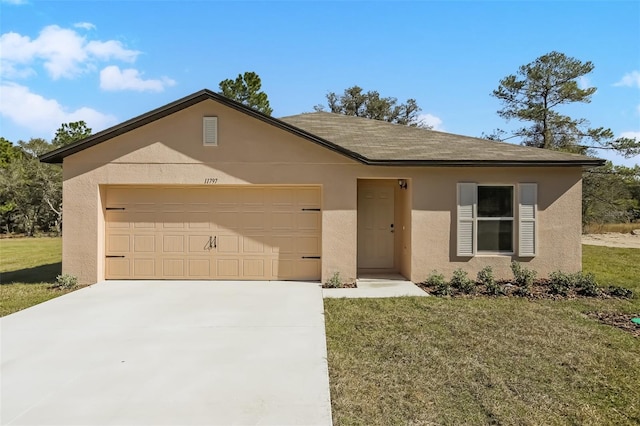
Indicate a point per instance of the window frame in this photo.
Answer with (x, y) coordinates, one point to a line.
(477, 219)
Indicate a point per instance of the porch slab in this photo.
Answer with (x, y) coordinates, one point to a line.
(372, 286)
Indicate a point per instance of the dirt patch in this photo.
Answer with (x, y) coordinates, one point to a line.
(621, 321)
(612, 239)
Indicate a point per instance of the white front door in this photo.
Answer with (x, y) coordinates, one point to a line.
(375, 225)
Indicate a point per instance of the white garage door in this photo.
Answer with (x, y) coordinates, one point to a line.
(235, 233)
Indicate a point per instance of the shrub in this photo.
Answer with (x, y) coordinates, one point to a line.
(334, 282)
(522, 276)
(440, 286)
(523, 291)
(616, 291)
(560, 282)
(462, 282)
(587, 284)
(65, 282)
(486, 278)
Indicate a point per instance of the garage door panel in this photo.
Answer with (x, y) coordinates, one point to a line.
(229, 220)
(228, 244)
(309, 221)
(308, 245)
(255, 244)
(253, 268)
(173, 244)
(284, 244)
(283, 221)
(200, 244)
(213, 233)
(118, 243)
(144, 267)
(118, 267)
(117, 219)
(228, 268)
(173, 268)
(252, 221)
(200, 268)
(144, 243)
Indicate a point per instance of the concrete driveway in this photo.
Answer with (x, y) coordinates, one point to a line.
(168, 353)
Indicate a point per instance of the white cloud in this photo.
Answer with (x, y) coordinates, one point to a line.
(85, 25)
(15, 2)
(431, 120)
(630, 79)
(64, 52)
(114, 79)
(43, 116)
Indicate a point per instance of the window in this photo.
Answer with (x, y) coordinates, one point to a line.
(487, 219)
(495, 219)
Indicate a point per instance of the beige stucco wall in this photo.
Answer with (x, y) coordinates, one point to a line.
(170, 152)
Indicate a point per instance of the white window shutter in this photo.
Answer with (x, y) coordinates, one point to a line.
(210, 131)
(467, 195)
(528, 215)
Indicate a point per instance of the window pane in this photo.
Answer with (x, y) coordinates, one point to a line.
(495, 201)
(495, 235)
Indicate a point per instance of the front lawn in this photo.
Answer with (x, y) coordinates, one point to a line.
(28, 266)
(487, 360)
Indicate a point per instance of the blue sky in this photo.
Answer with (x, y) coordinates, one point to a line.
(107, 61)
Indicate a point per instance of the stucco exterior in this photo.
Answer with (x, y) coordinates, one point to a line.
(170, 152)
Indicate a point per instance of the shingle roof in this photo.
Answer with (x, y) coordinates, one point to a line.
(380, 141)
(367, 141)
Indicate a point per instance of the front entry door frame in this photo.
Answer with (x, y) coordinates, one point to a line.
(376, 224)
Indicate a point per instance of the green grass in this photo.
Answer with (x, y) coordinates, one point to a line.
(28, 266)
(486, 360)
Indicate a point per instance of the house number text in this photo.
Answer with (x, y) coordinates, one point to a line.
(210, 180)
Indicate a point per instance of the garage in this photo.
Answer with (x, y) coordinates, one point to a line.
(202, 232)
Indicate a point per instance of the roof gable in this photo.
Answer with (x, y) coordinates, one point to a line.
(367, 141)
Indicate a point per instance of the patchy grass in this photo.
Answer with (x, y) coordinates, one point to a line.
(487, 360)
(477, 361)
(28, 266)
(601, 228)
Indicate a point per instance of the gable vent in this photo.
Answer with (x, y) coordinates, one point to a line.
(210, 131)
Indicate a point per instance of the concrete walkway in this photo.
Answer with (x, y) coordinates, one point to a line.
(168, 353)
(373, 286)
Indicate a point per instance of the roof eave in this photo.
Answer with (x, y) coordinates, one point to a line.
(487, 163)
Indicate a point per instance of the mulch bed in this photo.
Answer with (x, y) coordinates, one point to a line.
(621, 321)
(343, 285)
(538, 290)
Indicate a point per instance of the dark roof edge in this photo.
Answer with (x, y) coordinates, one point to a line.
(56, 156)
(487, 163)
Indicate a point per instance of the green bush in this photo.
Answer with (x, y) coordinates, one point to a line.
(485, 277)
(616, 291)
(334, 282)
(65, 282)
(523, 277)
(440, 286)
(561, 282)
(587, 284)
(462, 282)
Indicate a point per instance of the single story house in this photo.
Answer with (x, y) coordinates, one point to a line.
(205, 188)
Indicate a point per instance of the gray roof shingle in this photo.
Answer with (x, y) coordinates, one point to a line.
(381, 141)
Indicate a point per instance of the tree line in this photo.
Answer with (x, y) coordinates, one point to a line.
(31, 191)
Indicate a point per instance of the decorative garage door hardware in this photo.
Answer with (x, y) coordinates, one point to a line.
(311, 257)
(115, 208)
(310, 210)
(211, 243)
(111, 255)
